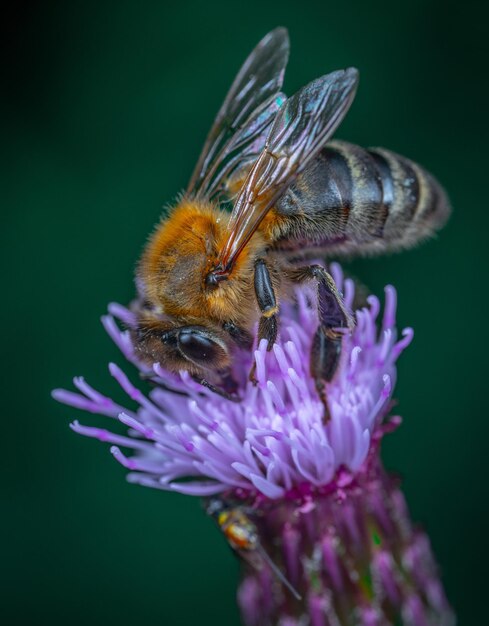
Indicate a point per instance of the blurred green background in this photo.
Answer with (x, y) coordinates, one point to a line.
(105, 108)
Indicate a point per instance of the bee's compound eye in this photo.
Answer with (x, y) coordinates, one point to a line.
(197, 346)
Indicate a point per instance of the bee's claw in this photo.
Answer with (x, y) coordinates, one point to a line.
(251, 376)
(326, 411)
(321, 391)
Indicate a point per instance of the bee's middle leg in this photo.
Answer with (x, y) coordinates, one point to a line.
(267, 303)
(327, 342)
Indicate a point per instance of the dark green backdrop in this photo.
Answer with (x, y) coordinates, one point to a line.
(106, 105)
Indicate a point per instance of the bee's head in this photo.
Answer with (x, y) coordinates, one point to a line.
(197, 349)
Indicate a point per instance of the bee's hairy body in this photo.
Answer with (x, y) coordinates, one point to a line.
(208, 277)
(177, 258)
(347, 201)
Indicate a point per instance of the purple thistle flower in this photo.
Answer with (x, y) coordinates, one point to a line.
(273, 441)
(325, 512)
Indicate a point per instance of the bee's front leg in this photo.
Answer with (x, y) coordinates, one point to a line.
(333, 315)
(228, 390)
(267, 303)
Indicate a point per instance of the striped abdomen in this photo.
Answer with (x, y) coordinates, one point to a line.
(352, 200)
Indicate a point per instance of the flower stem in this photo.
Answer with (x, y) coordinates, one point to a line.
(352, 554)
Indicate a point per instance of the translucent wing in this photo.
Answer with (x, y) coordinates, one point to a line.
(240, 128)
(241, 150)
(301, 128)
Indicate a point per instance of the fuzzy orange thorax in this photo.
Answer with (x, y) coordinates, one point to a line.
(179, 255)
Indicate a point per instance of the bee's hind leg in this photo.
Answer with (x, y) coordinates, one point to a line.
(327, 342)
(324, 360)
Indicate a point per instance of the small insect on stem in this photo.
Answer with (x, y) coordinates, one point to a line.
(242, 535)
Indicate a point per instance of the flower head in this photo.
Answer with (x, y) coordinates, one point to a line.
(274, 442)
(323, 530)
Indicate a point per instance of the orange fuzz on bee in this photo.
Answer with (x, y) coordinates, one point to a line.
(183, 249)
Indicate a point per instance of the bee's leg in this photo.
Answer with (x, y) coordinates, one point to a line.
(267, 303)
(325, 357)
(265, 297)
(333, 315)
(228, 384)
(221, 392)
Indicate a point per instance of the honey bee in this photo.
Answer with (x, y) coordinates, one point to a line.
(270, 191)
(242, 535)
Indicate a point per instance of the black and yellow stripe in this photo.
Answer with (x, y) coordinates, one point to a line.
(353, 200)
